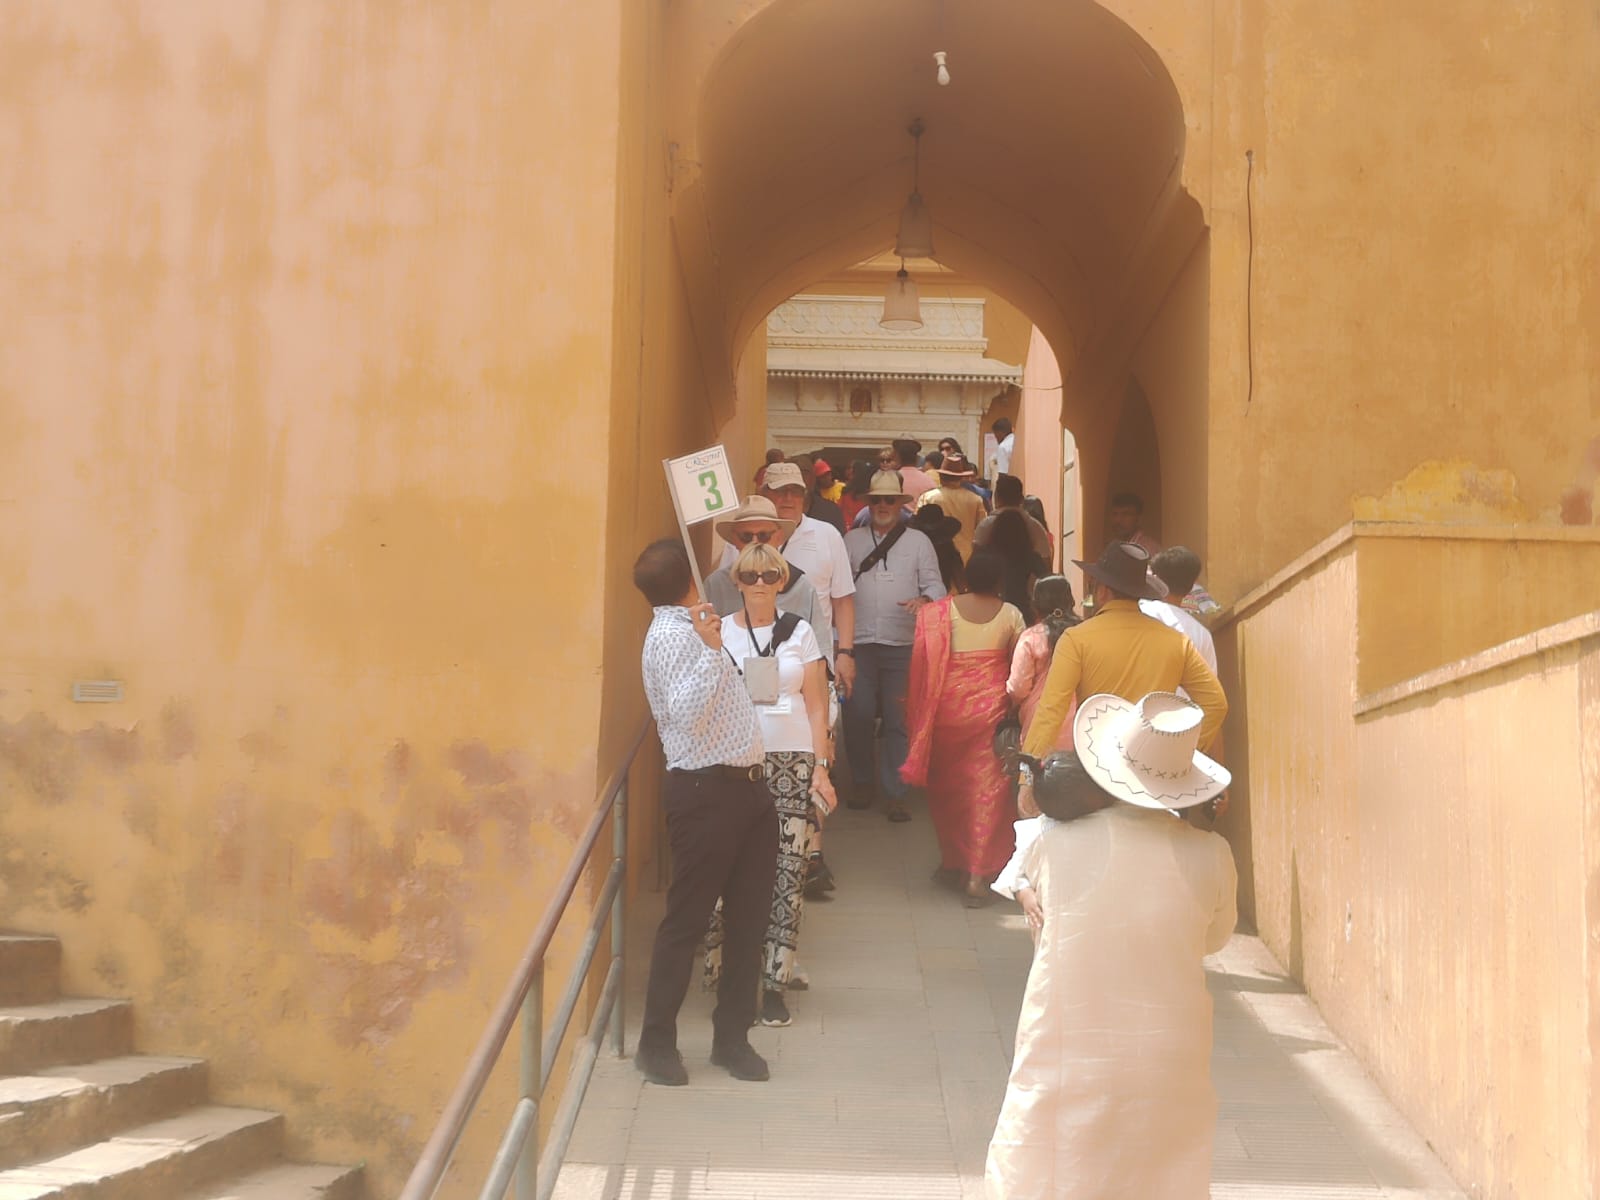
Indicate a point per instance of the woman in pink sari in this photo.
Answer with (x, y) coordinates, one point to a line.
(960, 660)
(1030, 662)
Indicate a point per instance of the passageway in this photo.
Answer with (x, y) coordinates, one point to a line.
(889, 1080)
(1052, 168)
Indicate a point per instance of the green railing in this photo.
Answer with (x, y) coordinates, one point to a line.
(519, 1154)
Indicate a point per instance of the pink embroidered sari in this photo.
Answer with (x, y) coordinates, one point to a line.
(953, 704)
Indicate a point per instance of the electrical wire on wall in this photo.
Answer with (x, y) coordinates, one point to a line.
(1249, 281)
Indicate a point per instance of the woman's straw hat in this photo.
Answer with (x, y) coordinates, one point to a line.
(1145, 753)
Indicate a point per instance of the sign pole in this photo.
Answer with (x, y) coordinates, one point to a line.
(683, 529)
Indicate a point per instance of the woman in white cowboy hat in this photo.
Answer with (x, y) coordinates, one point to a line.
(1110, 1093)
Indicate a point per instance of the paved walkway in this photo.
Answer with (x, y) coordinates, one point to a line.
(889, 1080)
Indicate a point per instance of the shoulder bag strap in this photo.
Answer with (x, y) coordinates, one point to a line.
(880, 551)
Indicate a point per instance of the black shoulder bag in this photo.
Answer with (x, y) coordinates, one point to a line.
(879, 552)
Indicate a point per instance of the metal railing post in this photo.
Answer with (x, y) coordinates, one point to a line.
(619, 847)
(532, 1082)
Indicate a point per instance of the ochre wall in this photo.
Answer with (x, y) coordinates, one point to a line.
(1412, 274)
(1424, 867)
(1038, 455)
(309, 338)
(1170, 366)
(1500, 582)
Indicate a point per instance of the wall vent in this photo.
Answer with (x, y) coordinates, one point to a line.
(96, 691)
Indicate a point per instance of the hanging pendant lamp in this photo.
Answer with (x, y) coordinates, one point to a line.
(902, 309)
(915, 237)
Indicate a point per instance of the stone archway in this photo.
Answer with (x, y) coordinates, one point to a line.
(1052, 165)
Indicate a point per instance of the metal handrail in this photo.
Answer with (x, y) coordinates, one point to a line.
(524, 997)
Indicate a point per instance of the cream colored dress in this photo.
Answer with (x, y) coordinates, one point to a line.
(1110, 1092)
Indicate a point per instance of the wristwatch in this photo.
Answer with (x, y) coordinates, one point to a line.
(825, 764)
(850, 650)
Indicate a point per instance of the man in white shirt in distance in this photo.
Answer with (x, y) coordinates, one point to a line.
(1179, 567)
(1007, 444)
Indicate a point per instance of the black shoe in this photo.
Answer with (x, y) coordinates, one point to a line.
(742, 1062)
(774, 1012)
(661, 1066)
(816, 892)
(818, 875)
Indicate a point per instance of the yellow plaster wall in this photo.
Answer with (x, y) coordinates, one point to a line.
(1039, 451)
(309, 315)
(1429, 600)
(1410, 272)
(1170, 365)
(1425, 868)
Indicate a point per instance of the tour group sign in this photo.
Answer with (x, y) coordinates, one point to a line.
(702, 487)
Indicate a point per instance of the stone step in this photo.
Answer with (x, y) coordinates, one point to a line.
(30, 968)
(158, 1161)
(74, 1030)
(57, 1109)
(289, 1181)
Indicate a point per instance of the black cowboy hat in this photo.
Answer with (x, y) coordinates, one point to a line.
(930, 519)
(1125, 567)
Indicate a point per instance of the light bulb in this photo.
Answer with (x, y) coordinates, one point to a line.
(943, 74)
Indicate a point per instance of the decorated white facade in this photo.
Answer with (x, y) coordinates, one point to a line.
(837, 378)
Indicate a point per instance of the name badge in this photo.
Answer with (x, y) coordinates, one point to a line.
(761, 679)
(885, 576)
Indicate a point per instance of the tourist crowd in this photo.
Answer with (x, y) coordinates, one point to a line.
(903, 633)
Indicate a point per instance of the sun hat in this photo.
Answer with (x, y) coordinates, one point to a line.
(1125, 567)
(1145, 753)
(957, 465)
(889, 483)
(930, 519)
(782, 475)
(755, 508)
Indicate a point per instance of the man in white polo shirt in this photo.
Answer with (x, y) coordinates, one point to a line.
(1179, 567)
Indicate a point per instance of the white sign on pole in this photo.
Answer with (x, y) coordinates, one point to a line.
(702, 484)
(702, 487)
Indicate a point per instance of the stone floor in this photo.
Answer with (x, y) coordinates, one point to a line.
(889, 1080)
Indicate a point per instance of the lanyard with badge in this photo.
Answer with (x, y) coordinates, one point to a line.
(761, 672)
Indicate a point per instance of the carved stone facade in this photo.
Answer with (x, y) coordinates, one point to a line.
(836, 378)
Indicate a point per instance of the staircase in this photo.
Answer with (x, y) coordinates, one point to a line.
(84, 1118)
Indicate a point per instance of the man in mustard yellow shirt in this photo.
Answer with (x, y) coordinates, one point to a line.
(1121, 651)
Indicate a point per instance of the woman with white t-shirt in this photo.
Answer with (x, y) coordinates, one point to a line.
(783, 670)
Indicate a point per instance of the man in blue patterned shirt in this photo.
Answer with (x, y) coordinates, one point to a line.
(721, 824)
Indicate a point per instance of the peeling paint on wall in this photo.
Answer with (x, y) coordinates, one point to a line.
(1447, 493)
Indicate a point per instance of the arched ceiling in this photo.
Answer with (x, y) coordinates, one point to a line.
(1051, 164)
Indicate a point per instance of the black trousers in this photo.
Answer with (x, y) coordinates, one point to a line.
(724, 837)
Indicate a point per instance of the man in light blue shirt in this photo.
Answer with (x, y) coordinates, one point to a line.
(896, 572)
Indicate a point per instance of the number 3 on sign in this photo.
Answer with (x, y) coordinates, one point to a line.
(713, 497)
(701, 484)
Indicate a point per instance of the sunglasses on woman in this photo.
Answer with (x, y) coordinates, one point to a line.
(750, 578)
(745, 537)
